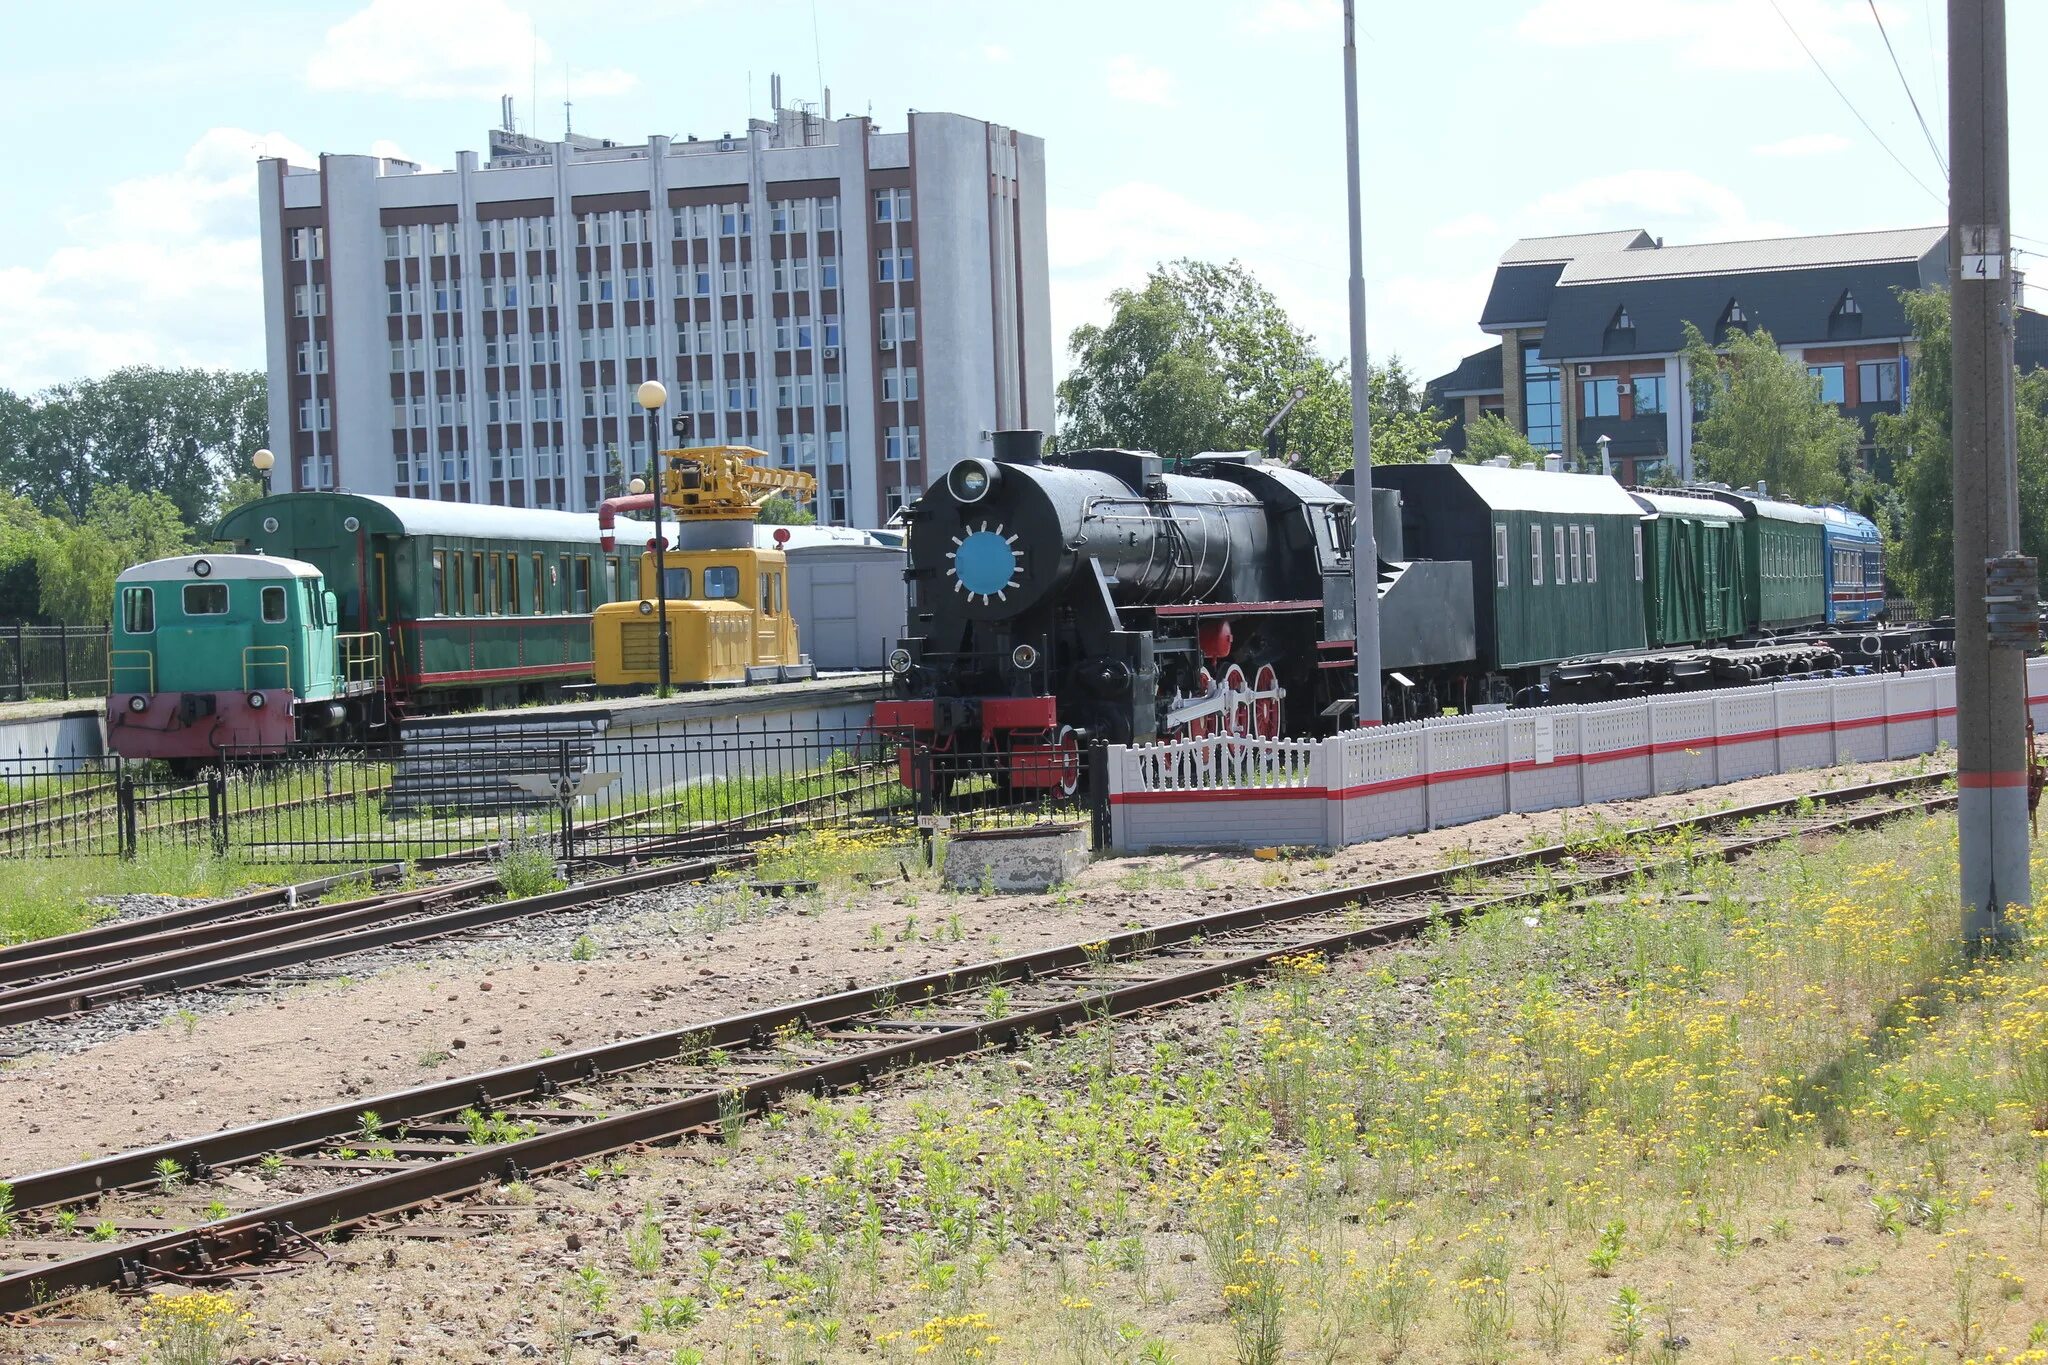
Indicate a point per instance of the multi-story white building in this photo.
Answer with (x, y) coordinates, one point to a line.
(865, 306)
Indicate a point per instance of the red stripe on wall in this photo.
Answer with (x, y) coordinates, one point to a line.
(1999, 779)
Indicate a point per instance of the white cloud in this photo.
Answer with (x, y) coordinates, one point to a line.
(1467, 227)
(167, 272)
(995, 54)
(1683, 204)
(1132, 80)
(1296, 16)
(1726, 35)
(1806, 144)
(446, 49)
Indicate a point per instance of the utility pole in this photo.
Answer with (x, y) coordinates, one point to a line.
(1995, 588)
(1365, 558)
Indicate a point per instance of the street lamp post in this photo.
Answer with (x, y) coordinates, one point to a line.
(652, 396)
(264, 461)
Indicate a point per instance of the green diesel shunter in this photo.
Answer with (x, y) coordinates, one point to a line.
(1557, 562)
(475, 605)
(1692, 570)
(1783, 586)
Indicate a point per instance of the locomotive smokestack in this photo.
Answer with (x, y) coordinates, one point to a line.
(1018, 447)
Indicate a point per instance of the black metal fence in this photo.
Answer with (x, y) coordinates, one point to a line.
(52, 662)
(467, 795)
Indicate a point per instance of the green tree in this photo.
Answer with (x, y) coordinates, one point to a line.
(22, 531)
(785, 511)
(1765, 420)
(76, 564)
(1202, 357)
(1492, 436)
(183, 433)
(1919, 442)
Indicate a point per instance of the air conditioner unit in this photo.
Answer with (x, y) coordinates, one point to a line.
(1624, 387)
(1585, 370)
(888, 343)
(726, 144)
(831, 353)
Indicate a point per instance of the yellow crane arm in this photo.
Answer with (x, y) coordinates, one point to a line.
(724, 482)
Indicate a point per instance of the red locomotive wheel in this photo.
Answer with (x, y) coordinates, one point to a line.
(1237, 717)
(1067, 769)
(1266, 710)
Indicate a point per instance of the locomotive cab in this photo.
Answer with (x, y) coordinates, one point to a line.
(728, 621)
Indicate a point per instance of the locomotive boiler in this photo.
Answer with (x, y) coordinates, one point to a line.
(1095, 594)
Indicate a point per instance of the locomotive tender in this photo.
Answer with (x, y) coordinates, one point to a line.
(1092, 595)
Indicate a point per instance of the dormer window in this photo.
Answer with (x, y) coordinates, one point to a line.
(1734, 317)
(1848, 307)
(1847, 319)
(1621, 320)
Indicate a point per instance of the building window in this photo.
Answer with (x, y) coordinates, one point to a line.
(828, 272)
(312, 357)
(1592, 558)
(900, 325)
(313, 414)
(448, 353)
(835, 389)
(1541, 401)
(1578, 557)
(1599, 398)
(1536, 556)
(309, 300)
(309, 243)
(1877, 381)
(901, 443)
(1830, 377)
(735, 220)
(895, 263)
(1649, 394)
(447, 297)
(831, 337)
(1557, 547)
(892, 206)
(1500, 555)
(828, 215)
(1639, 551)
(899, 384)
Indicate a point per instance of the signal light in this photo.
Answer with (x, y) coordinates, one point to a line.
(138, 704)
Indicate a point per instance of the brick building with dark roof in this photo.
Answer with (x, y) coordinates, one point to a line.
(1591, 327)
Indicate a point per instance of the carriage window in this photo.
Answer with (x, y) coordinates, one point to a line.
(583, 582)
(562, 583)
(1536, 555)
(675, 584)
(512, 583)
(206, 599)
(1500, 555)
(273, 605)
(138, 610)
(721, 580)
(1578, 562)
(540, 588)
(1592, 559)
(1557, 544)
(457, 597)
(1639, 553)
(441, 582)
(476, 586)
(383, 587)
(767, 594)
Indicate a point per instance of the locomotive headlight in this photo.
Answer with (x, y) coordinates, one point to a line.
(255, 701)
(138, 704)
(203, 567)
(899, 661)
(647, 608)
(1023, 656)
(970, 480)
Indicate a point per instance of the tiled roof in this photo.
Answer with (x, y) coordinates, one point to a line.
(1558, 250)
(1735, 258)
(1476, 373)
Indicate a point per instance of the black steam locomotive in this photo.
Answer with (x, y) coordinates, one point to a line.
(1095, 594)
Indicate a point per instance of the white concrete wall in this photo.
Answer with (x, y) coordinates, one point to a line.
(1397, 779)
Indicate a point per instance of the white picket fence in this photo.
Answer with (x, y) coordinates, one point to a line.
(1223, 792)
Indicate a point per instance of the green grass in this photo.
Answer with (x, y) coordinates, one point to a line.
(40, 897)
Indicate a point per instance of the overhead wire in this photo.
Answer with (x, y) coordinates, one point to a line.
(1851, 106)
(1907, 86)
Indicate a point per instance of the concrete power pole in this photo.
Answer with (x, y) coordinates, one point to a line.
(1365, 558)
(1995, 588)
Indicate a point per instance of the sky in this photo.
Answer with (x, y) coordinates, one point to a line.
(1206, 128)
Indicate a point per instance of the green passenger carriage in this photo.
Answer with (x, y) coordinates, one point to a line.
(475, 604)
(1692, 570)
(1783, 585)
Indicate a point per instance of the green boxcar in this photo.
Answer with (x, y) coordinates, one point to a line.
(1692, 569)
(474, 603)
(1783, 585)
(1557, 558)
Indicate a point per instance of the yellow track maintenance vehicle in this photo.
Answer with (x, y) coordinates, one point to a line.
(726, 595)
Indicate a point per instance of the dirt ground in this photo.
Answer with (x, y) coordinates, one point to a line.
(228, 1059)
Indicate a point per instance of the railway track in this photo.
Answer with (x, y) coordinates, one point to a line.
(76, 978)
(372, 1161)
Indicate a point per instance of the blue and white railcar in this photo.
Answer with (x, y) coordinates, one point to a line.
(1853, 561)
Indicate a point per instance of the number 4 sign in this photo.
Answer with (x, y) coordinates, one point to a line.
(1983, 254)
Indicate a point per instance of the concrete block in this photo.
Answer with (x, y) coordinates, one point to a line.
(1035, 858)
